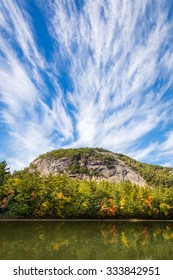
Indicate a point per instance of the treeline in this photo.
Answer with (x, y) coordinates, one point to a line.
(23, 194)
(75, 153)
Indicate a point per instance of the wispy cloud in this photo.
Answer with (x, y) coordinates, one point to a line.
(116, 50)
(116, 58)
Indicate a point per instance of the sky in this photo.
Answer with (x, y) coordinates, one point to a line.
(84, 73)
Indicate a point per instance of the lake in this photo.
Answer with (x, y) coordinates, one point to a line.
(86, 240)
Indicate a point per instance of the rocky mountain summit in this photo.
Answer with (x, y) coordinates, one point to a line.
(87, 163)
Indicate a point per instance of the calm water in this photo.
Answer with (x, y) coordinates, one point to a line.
(86, 240)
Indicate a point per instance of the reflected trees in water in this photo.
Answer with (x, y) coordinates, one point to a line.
(86, 240)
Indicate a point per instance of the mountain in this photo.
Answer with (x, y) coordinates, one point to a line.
(87, 183)
(100, 164)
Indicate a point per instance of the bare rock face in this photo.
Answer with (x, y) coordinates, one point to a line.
(52, 166)
(109, 168)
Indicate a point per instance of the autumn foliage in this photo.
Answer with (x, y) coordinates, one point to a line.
(30, 195)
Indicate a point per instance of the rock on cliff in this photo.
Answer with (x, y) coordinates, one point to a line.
(87, 163)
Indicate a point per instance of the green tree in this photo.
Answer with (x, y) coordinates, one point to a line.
(4, 172)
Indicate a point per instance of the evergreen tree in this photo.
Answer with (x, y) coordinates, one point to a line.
(4, 172)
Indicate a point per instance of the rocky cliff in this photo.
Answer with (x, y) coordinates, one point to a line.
(87, 163)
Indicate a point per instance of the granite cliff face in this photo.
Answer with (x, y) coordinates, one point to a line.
(94, 164)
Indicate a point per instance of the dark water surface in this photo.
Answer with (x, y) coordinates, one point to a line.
(86, 240)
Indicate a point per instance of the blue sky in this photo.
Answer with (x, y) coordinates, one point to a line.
(86, 73)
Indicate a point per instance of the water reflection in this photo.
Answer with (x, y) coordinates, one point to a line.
(86, 240)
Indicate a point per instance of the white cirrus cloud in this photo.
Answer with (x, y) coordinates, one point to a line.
(108, 81)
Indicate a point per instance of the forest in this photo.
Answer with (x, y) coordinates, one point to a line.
(28, 195)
